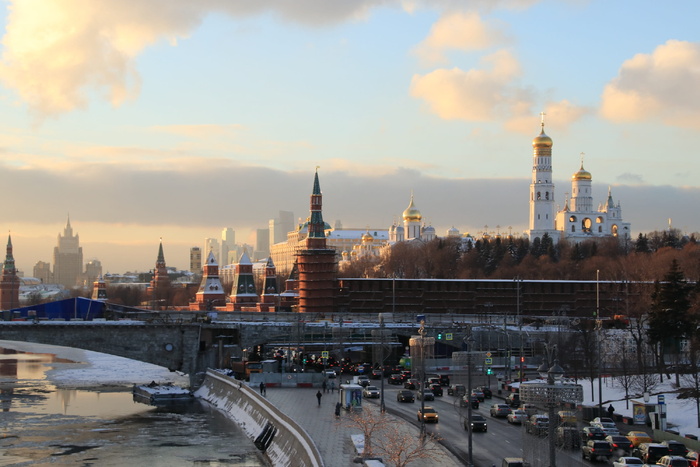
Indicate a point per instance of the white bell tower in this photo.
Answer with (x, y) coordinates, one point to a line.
(542, 188)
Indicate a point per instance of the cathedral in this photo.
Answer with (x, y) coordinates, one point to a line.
(577, 221)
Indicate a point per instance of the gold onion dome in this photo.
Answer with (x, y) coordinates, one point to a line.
(412, 213)
(581, 174)
(542, 140)
(367, 237)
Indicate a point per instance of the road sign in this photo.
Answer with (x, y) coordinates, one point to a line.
(488, 354)
(448, 336)
(488, 361)
(662, 399)
(324, 354)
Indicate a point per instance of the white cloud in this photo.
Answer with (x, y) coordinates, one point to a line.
(658, 86)
(463, 31)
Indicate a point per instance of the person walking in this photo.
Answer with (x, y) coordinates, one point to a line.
(332, 386)
(324, 386)
(263, 389)
(611, 411)
(319, 395)
(338, 405)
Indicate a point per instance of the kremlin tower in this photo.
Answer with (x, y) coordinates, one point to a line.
(9, 282)
(542, 189)
(160, 283)
(317, 263)
(270, 292)
(243, 294)
(211, 291)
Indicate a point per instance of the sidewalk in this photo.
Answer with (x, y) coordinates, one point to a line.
(331, 437)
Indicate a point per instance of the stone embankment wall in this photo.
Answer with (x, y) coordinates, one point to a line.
(290, 445)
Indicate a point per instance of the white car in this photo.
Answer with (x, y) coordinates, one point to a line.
(370, 392)
(609, 430)
(627, 461)
(517, 417)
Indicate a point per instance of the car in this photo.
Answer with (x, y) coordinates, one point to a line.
(405, 396)
(620, 442)
(610, 431)
(568, 437)
(639, 437)
(444, 379)
(456, 390)
(426, 395)
(432, 380)
(597, 450)
(463, 401)
(330, 374)
(627, 461)
(428, 414)
(603, 422)
(478, 423)
(537, 425)
(513, 400)
(513, 462)
(396, 378)
(673, 461)
(370, 392)
(377, 374)
(693, 458)
(530, 409)
(499, 410)
(592, 433)
(517, 417)
(411, 383)
(479, 394)
(437, 390)
(567, 417)
(676, 448)
(650, 453)
(488, 393)
(363, 380)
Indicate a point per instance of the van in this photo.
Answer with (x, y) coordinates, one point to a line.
(512, 462)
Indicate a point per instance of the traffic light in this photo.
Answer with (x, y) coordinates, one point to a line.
(439, 336)
(489, 371)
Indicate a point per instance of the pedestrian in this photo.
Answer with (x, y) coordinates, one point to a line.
(332, 386)
(324, 386)
(611, 411)
(262, 388)
(319, 395)
(338, 405)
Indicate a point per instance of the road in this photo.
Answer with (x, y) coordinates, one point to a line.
(488, 448)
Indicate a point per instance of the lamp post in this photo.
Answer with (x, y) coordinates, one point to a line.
(550, 392)
(470, 344)
(419, 344)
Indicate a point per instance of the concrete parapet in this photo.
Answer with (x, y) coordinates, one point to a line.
(291, 445)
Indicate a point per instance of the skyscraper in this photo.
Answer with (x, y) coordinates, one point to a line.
(262, 244)
(211, 245)
(68, 258)
(228, 246)
(280, 226)
(195, 260)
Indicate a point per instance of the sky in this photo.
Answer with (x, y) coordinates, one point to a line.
(174, 119)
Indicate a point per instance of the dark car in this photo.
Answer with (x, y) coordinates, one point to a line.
(596, 450)
(444, 380)
(676, 448)
(426, 395)
(478, 423)
(513, 400)
(396, 378)
(463, 402)
(437, 390)
(650, 453)
(488, 394)
(405, 396)
(568, 437)
(499, 410)
(592, 433)
(620, 442)
(456, 390)
(376, 374)
(410, 384)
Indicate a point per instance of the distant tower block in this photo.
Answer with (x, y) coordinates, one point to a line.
(317, 264)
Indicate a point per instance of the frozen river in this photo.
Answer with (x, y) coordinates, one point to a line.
(71, 407)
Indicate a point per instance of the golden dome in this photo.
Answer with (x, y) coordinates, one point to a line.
(367, 237)
(411, 213)
(542, 140)
(582, 175)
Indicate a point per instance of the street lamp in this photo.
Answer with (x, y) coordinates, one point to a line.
(419, 344)
(550, 392)
(470, 344)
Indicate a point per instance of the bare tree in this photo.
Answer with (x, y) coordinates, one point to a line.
(399, 447)
(369, 420)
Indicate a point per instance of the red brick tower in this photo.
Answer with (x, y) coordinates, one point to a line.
(243, 294)
(211, 292)
(9, 282)
(317, 263)
(160, 283)
(270, 292)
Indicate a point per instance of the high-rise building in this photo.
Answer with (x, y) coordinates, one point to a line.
(68, 259)
(195, 260)
(281, 226)
(42, 271)
(262, 244)
(9, 282)
(93, 271)
(228, 246)
(211, 245)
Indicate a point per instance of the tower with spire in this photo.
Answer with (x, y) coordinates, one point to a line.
(211, 291)
(243, 293)
(542, 188)
(316, 262)
(159, 288)
(68, 258)
(412, 221)
(9, 282)
(269, 298)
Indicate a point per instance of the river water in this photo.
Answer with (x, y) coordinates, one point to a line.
(63, 406)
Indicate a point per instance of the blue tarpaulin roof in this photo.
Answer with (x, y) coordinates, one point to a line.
(70, 308)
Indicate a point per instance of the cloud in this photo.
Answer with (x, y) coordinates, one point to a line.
(473, 95)
(462, 31)
(199, 131)
(658, 86)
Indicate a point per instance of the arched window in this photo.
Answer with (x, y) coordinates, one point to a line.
(614, 230)
(599, 220)
(539, 195)
(586, 224)
(546, 195)
(573, 228)
(600, 229)
(572, 219)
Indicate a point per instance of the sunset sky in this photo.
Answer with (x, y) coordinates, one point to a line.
(144, 119)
